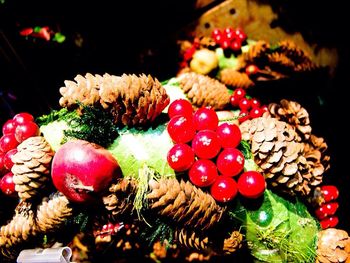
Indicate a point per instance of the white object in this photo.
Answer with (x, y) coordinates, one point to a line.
(48, 255)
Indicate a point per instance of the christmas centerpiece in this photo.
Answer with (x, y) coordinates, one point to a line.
(192, 168)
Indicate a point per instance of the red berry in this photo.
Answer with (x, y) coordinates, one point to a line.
(244, 104)
(189, 53)
(330, 192)
(329, 222)
(205, 119)
(255, 113)
(229, 30)
(234, 101)
(243, 116)
(230, 36)
(255, 103)
(8, 163)
(23, 117)
(230, 162)
(251, 184)
(206, 144)
(26, 130)
(236, 45)
(7, 185)
(240, 34)
(180, 157)
(216, 32)
(225, 44)
(218, 39)
(203, 173)
(181, 129)
(239, 93)
(9, 127)
(224, 189)
(264, 108)
(3, 169)
(327, 209)
(180, 107)
(251, 70)
(8, 142)
(229, 134)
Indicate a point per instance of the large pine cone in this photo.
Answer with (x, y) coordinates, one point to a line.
(276, 152)
(53, 212)
(236, 79)
(31, 167)
(204, 91)
(132, 100)
(184, 203)
(294, 114)
(333, 246)
(19, 229)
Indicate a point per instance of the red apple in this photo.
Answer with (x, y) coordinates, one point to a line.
(82, 170)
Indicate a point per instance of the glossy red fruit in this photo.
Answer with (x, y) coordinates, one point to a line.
(330, 192)
(7, 185)
(26, 130)
(251, 70)
(180, 107)
(225, 44)
(230, 36)
(254, 103)
(240, 34)
(230, 162)
(244, 104)
(229, 135)
(3, 169)
(9, 127)
(327, 209)
(234, 101)
(180, 157)
(329, 222)
(239, 93)
(229, 30)
(8, 142)
(206, 144)
(224, 189)
(205, 119)
(8, 163)
(181, 129)
(23, 117)
(251, 184)
(203, 173)
(264, 108)
(218, 39)
(216, 32)
(243, 116)
(236, 45)
(255, 113)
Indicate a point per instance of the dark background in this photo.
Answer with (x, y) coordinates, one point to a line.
(138, 36)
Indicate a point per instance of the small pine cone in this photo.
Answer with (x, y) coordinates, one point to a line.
(281, 60)
(204, 91)
(31, 169)
(184, 203)
(291, 50)
(256, 54)
(53, 212)
(191, 240)
(120, 197)
(19, 229)
(236, 79)
(84, 90)
(333, 246)
(133, 100)
(233, 243)
(294, 114)
(278, 154)
(316, 148)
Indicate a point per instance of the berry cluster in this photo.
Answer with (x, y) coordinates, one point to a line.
(250, 108)
(229, 38)
(207, 151)
(15, 131)
(109, 229)
(325, 213)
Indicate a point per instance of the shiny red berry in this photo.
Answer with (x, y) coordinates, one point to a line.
(216, 32)
(244, 104)
(8, 142)
(327, 209)
(23, 117)
(240, 34)
(230, 162)
(229, 135)
(243, 116)
(329, 192)
(180, 107)
(180, 157)
(264, 108)
(251, 70)
(255, 113)
(7, 185)
(218, 39)
(26, 130)
(224, 189)
(234, 101)
(329, 222)
(239, 93)
(205, 119)
(203, 173)
(206, 144)
(236, 45)
(251, 184)
(255, 103)
(181, 129)
(3, 169)
(9, 127)
(229, 30)
(8, 163)
(225, 44)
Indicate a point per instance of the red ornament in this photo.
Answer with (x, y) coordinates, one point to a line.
(180, 157)
(180, 107)
(230, 162)
(206, 144)
(229, 134)
(203, 173)
(205, 119)
(224, 189)
(251, 184)
(329, 192)
(181, 129)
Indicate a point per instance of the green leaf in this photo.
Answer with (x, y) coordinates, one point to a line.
(37, 29)
(58, 37)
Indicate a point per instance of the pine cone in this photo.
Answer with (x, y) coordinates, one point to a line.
(256, 54)
(133, 100)
(191, 240)
(333, 246)
(84, 90)
(294, 114)
(53, 212)
(19, 229)
(281, 61)
(184, 203)
(276, 152)
(31, 167)
(120, 198)
(204, 91)
(316, 151)
(236, 79)
(233, 243)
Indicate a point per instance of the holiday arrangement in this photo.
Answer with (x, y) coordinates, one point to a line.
(192, 168)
